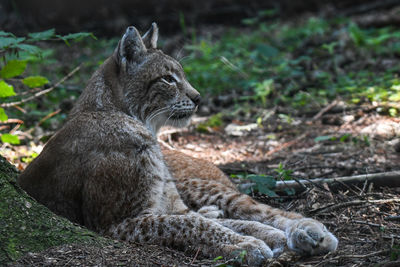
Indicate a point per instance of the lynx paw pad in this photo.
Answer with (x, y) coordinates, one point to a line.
(308, 236)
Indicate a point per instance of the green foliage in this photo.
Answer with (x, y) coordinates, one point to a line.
(214, 121)
(41, 36)
(284, 173)
(75, 36)
(217, 258)
(372, 38)
(11, 43)
(263, 184)
(324, 138)
(6, 89)
(13, 68)
(10, 138)
(17, 54)
(299, 65)
(31, 156)
(262, 90)
(239, 258)
(362, 140)
(35, 81)
(263, 14)
(3, 115)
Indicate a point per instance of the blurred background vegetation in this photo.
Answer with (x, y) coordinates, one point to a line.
(296, 57)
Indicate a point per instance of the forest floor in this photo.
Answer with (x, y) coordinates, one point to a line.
(336, 138)
(361, 216)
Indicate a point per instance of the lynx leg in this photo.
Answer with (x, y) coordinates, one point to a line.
(194, 231)
(273, 237)
(303, 235)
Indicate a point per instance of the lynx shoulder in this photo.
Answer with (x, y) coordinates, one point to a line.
(104, 168)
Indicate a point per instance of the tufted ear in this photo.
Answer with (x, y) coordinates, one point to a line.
(130, 47)
(151, 36)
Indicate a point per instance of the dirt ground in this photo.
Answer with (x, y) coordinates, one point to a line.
(363, 217)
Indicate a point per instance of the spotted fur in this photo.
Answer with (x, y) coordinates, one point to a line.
(104, 168)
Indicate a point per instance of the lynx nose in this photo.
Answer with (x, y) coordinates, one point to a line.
(196, 99)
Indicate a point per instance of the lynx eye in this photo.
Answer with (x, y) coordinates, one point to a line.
(168, 79)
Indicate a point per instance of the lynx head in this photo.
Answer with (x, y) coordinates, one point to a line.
(154, 87)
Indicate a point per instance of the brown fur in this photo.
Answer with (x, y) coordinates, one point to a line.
(104, 168)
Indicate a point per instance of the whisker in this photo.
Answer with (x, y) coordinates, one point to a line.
(172, 114)
(156, 113)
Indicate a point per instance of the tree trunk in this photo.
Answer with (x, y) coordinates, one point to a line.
(27, 226)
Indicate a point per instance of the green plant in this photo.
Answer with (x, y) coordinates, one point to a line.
(283, 173)
(330, 47)
(395, 253)
(278, 63)
(214, 121)
(239, 258)
(16, 53)
(263, 89)
(373, 37)
(263, 184)
(362, 140)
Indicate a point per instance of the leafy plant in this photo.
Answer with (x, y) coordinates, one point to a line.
(239, 259)
(214, 121)
(362, 140)
(263, 90)
(17, 53)
(278, 63)
(263, 184)
(31, 156)
(283, 173)
(10, 138)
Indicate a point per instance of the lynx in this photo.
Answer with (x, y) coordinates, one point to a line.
(104, 168)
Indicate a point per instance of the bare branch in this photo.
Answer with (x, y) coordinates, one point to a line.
(324, 110)
(11, 104)
(391, 179)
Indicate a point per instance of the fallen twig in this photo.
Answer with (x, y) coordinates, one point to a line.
(367, 223)
(165, 144)
(11, 104)
(9, 121)
(391, 179)
(392, 218)
(353, 256)
(324, 110)
(286, 145)
(195, 256)
(332, 207)
(48, 116)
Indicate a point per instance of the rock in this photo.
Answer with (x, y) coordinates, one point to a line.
(384, 129)
(395, 144)
(240, 130)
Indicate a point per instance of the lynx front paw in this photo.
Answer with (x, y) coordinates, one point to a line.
(308, 236)
(257, 251)
(211, 212)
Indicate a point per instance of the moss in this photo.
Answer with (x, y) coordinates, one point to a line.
(27, 226)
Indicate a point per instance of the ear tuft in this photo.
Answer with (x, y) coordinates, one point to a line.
(151, 36)
(130, 47)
